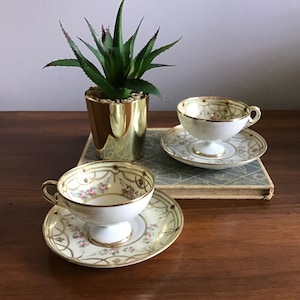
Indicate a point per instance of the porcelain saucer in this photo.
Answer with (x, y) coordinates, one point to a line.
(241, 149)
(154, 230)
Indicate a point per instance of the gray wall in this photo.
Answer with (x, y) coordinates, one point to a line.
(248, 50)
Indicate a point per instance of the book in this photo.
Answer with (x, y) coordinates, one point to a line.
(181, 181)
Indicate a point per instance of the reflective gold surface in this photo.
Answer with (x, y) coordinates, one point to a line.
(119, 129)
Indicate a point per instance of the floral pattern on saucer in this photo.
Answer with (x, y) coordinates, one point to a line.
(154, 230)
(241, 149)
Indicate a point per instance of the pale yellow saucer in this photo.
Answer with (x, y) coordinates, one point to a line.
(240, 149)
(154, 230)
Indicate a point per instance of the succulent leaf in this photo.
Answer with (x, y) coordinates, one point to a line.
(98, 54)
(121, 71)
(118, 32)
(96, 39)
(142, 85)
(115, 67)
(107, 39)
(89, 68)
(129, 51)
(138, 61)
(68, 62)
(145, 65)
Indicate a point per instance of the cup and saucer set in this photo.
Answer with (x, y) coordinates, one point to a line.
(214, 134)
(108, 214)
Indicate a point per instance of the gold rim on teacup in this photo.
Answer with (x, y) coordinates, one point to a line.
(106, 195)
(115, 166)
(212, 119)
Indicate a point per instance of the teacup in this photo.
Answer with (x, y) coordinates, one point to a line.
(106, 195)
(212, 119)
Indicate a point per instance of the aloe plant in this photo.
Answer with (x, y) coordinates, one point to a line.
(120, 71)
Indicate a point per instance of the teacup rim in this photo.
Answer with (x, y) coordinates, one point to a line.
(74, 169)
(221, 98)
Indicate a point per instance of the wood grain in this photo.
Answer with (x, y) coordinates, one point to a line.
(229, 249)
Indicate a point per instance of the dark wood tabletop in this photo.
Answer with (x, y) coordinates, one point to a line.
(228, 249)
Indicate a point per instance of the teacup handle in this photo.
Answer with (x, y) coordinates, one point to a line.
(255, 114)
(52, 198)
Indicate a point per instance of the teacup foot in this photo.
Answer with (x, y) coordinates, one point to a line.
(111, 235)
(209, 149)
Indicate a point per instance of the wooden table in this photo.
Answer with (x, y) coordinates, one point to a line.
(228, 249)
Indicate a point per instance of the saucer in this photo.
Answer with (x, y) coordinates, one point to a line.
(241, 149)
(154, 230)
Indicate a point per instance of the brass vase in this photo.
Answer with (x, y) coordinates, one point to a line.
(118, 129)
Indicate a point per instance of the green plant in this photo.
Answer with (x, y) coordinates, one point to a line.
(121, 71)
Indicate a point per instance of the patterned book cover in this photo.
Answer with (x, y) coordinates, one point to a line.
(181, 181)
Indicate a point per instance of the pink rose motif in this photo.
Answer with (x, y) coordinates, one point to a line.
(82, 195)
(147, 240)
(105, 251)
(91, 192)
(82, 244)
(115, 251)
(153, 226)
(102, 187)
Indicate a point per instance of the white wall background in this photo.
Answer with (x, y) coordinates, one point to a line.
(248, 50)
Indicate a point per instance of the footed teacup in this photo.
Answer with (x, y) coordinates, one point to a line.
(104, 194)
(212, 119)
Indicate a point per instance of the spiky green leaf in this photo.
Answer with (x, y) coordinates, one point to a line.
(67, 62)
(129, 51)
(98, 54)
(114, 65)
(142, 85)
(118, 32)
(89, 68)
(138, 61)
(107, 39)
(129, 45)
(96, 39)
(121, 72)
(146, 64)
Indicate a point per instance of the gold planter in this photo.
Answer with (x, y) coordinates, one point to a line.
(119, 129)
